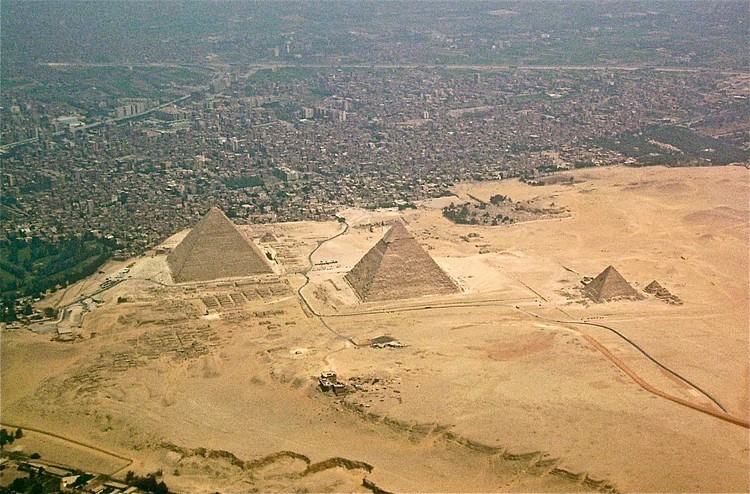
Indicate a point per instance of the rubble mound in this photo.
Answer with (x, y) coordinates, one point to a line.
(610, 285)
(215, 249)
(268, 238)
(397, 267)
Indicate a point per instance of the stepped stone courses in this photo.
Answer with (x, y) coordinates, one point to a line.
(654, 288)
(610, 285)
(397, 267)
(215, 249)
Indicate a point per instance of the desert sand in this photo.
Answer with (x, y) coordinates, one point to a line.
(518, 383)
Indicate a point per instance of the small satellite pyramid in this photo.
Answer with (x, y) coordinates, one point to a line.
(398, 267)
(653, 287)
(610, 285)
(215, 249)
(269, 237)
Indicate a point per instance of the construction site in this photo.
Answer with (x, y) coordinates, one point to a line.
(396, 351)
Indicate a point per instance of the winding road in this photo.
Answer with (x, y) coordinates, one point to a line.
(722, 413)
(306, 272)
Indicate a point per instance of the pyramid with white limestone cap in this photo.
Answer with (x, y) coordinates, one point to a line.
(397, 267)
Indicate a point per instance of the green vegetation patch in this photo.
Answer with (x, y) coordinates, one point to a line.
(674, 145)
(283, 75)
(243, 181)
(31, 266)
(149, 483)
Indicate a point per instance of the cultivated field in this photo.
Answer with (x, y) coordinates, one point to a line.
(517, 383)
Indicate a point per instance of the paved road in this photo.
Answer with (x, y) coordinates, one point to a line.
(720, 414)
(307, 281)
(478, 67)
(6, 147)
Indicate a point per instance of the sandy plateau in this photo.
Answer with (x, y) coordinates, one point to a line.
(515, 384)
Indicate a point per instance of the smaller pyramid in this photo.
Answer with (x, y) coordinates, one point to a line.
(610, 285)
(215, 249)
(397, 267)
(653, 287)
(268, 237)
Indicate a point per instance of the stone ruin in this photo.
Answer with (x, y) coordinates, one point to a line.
(329, 383)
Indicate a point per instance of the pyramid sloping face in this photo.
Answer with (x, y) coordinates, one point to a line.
(397, 232)
(397, 267)
(653, 287)
(215, 249)
(610, 285)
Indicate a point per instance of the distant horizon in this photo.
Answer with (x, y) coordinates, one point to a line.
(247, 32)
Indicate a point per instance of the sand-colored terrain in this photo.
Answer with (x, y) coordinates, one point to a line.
(516, 384)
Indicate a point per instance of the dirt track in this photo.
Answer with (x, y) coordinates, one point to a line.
(498, 388)
(64, 457)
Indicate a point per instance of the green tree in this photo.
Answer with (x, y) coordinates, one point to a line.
(5, 438)
(9, 311)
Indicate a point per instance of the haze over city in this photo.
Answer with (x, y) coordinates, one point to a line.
(374, 246)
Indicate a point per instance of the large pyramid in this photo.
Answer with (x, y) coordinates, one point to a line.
(214, 249)
(398, 267)
(610, 285)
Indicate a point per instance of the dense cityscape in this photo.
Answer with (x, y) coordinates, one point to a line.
(299, 149)
(352, 246)
(133, 152)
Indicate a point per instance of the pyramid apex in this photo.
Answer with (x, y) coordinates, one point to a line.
(215, 211)
(653, 287)
(397, 232)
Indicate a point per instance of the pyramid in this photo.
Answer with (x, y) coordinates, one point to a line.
(268, 238)
(214, 249)
(653, 287)
(610, 285)
(398, 267)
